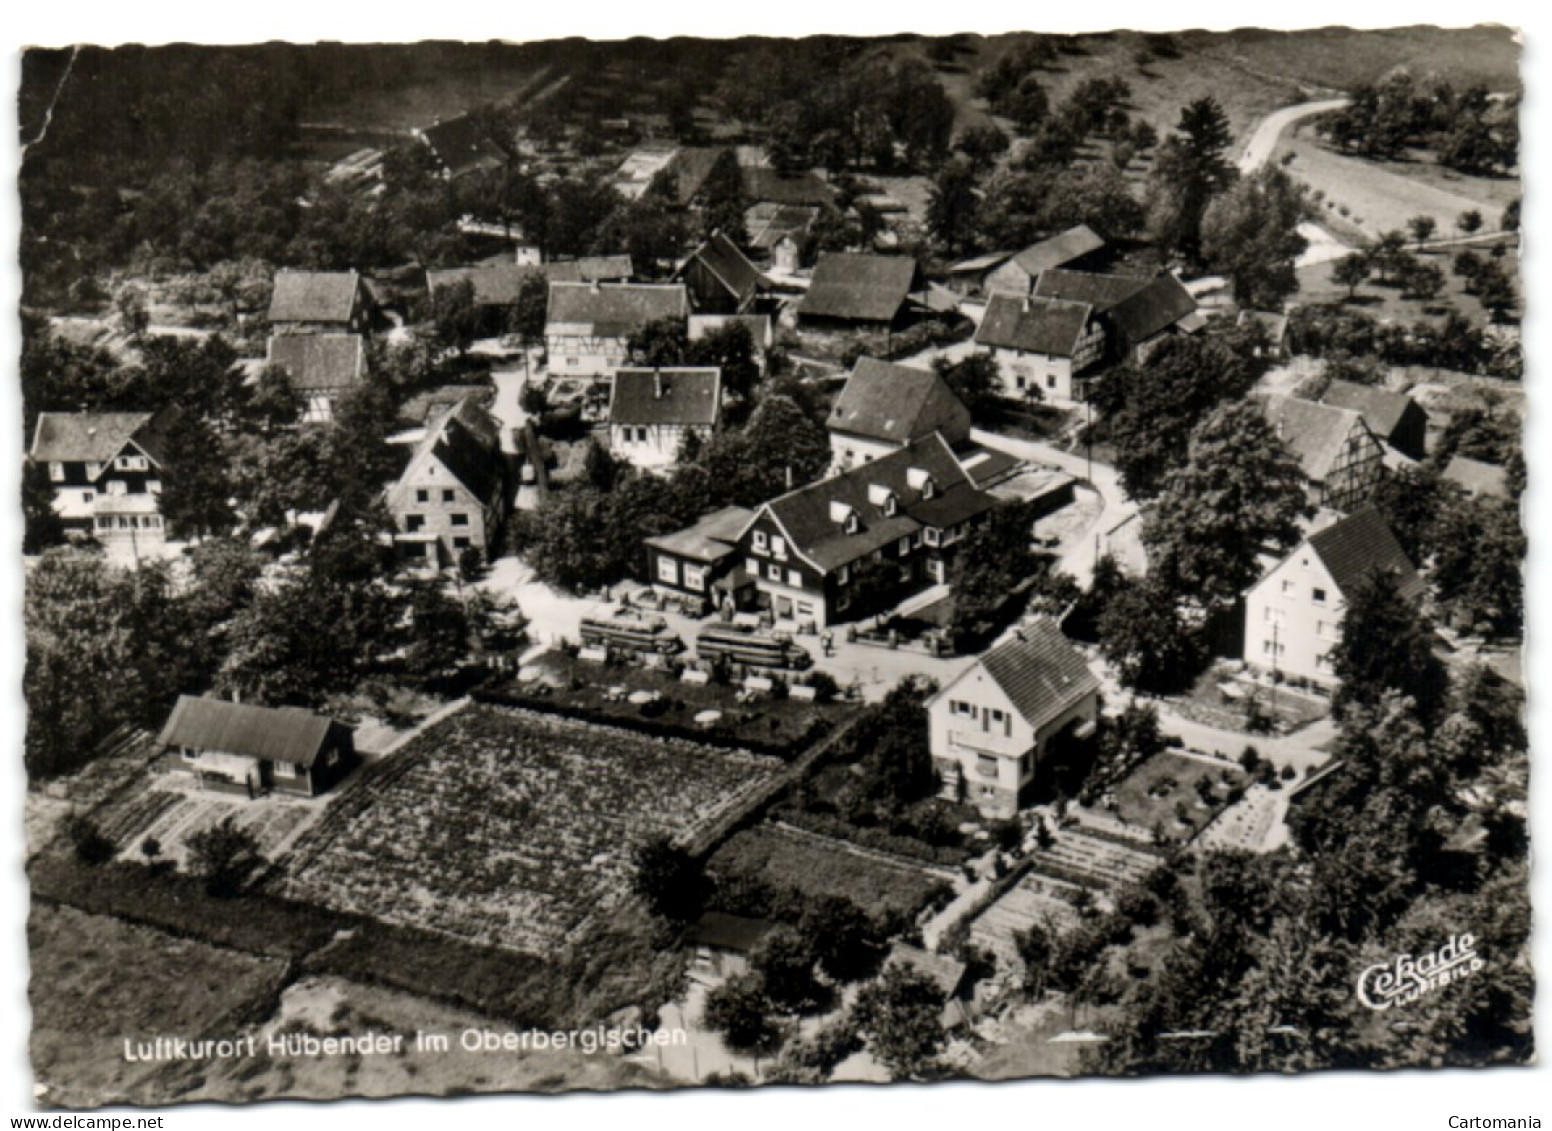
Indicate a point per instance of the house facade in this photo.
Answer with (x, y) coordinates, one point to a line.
(883, 407)
(700, 564)
(91, 456)
(651, 411)
(815, 552)
(588, 325)
(1293, 615)
(248, 750)
(1042, 346)
(320, 368)
(991, 728)
(319, 302)
(454, 493)
(1339, 455)
(1139, 313)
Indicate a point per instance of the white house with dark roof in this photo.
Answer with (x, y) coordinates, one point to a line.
(321, 368)
(1042, 345)
(250, 750)
(314, 302)
(1340, 457)
(453, 495)
(990, 728)
(92, 455)
(908, 510)
(652, 410)
(883, 407)
(1139, 312)
(588, 326)
(1293, 615)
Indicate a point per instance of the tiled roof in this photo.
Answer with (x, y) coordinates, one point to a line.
(1315, 433)
(615, 310)
(1477, 477)
(1039, 325)
(769, 185)
(690, 167)
(1102, 292)
(462, 145)
(980, 263)
(807, 515)
(1357, 545)
(898, 403)
(96, 437)
(1059, 250)
(467, 441)
(495, 284)
(666, 396)
(864, 288)
(721, 257)
(714, 537)
(768, 223)
(1157, 306)
(319, 361)
(1040, 672)
(1381, 409)
(589, 269)
(275, 734)
(313, 296)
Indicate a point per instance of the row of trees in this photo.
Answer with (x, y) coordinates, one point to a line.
(1469, 130)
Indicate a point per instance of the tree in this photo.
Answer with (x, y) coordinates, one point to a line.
(601, 470)
(671, 881)
(1469, 222)
(1386, 646)
(900, 1015)
(439, 631)
(1422, 228)
(982, 146)
(1410, 500)
(1239, 493)
(1189, 169)
(1251, 234)
(975, 379)
(951, 206)
(994, 558)
(1142, 634)
(275, 403)
(731, 349)
(740, 1011)
(529, 311)
(659, 344)
(224, 854)
(1422, 281)
(197, 488)
(43, 526)
(1034, 950)
(1351, 271)
(784, 962)
(134, 312)
(840, 936)
(1479, 561)
(455, 316)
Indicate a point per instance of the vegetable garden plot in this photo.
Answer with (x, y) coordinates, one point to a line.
(511, 828)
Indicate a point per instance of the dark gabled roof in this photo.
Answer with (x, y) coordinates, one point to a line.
(1315, 433)
(806, 514)
(463, 146)
(273, 734)
(721, 257)
(615, 310)
(1156, 307)
(764, 185)
(589, 269)
(690, 168)
(1353, 547)
(1040, 672)
(728, 932)
(860, 287)
(1382, 410)
(313, 296)
(898, 403)
(1051, 326)
(1477, 477)
(1102, 292)
(1059, 250)
(711, 539)
(96, 437)
(666, 396)
(467, 441)
(319, 361)
(495, 284)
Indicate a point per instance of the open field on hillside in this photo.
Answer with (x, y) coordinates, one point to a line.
(1385, 302)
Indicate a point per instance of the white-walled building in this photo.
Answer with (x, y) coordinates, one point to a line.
(1041, 344)
(652, 410)
(588, 326)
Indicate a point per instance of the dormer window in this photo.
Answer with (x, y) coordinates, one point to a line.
(843, 516)
(920, 479)
(852, 523)
(883, 498)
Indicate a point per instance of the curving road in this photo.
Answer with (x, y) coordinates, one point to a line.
(1261, 144)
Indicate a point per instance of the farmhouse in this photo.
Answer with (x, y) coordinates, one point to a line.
(320, 368)
(700, 563)
(251, 750)
(93, 455)
(317, 302)
(720, 279)
(651, 411)
(853, 291)
(453, 495)
(812, 551)
(588, 326)
(883, 407)
(1395, 418)
(990, 729)
(1293, 615)
(1478, 478)
(1138, 313)
(1076, 249)
(1042, 345)
(724, 942)
(1340, 456)
(461, 147)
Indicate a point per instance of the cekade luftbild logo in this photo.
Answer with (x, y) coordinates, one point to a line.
(1385, 985)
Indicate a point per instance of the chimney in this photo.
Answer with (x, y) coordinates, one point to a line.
(657, 384)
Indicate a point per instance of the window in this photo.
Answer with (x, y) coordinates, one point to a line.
(753, 567)
(761, 545)
(449, 495)
(571, 360)
(93, 470)
(422, 495)
(667, 570)
(460, 543)
(986, 765)
(188, 754)
(805, 608)
(458, 519)
(779, 546)
(1050, 380)
(87, 496)
(131, 463)
(695, 578)
(891, 506)
(103, 523)
(843, 575)
(153, 522)
(1320, 596)
(932, 536)
(905, 545)
(773, 573)
(1287, 586)
(794, 579)
(413, 522)
(641, 434)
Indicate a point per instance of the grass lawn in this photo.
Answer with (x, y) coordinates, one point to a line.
(97, 981)
(813, 867)
(1151, 794)
(1385, 303)
(1205, 703)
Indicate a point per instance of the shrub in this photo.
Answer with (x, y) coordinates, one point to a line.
(90, 846)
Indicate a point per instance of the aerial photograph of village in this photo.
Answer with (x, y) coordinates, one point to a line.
(665, 563)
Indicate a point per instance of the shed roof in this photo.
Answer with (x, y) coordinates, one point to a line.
(684, 396)
(319, 361)
(314, 296)
(1478, 477)
(898, 403)
(1050, 326)
(274, 734)
(859, 287)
